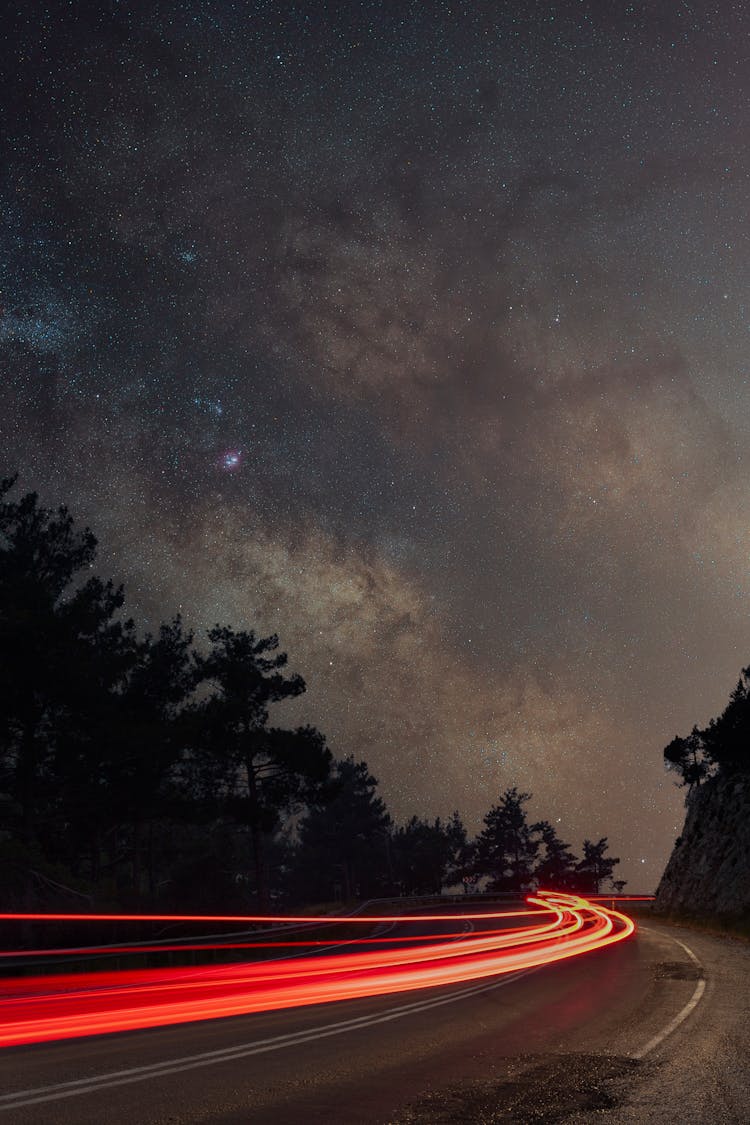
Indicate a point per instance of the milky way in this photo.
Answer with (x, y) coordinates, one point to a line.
(416, 333)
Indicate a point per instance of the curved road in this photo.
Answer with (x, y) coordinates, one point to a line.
(561, 1043)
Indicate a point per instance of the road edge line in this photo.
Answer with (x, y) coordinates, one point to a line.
(683, 1014)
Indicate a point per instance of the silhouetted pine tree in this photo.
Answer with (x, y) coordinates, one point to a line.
(595, 869)
(688, 756)
(258, 772)
(425, 854)
(723, 746)
(64, 657)
(344, 839)
(726, 740)
(506, 848)
(557, 867)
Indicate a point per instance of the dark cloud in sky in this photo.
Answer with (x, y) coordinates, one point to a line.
(417, 333)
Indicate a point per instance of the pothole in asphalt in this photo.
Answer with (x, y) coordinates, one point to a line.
(677, 970)
(553, 1089)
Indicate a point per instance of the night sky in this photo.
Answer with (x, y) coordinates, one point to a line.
(417, 333)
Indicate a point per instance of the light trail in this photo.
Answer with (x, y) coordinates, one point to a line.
(264, 919)
(84, 951)
(69, 1005)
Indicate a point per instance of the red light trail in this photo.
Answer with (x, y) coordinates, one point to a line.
(68, 1005)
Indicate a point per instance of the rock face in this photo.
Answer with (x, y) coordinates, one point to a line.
(709, 869)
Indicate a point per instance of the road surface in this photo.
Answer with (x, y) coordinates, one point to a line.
(564, 1043)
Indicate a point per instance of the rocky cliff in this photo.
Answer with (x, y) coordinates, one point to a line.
(709, 869)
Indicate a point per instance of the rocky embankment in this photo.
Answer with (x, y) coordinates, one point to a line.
(709, 870)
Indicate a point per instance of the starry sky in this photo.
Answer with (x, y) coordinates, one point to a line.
(418, 333)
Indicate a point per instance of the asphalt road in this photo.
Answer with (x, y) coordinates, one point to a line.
(561, 1044)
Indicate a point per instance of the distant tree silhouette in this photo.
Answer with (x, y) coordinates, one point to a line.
(557, 868)
(689, 757)
(723, 746)
(595, 868)
(427, 854)
(460, 849)
(726, 740)
(506, 848)
(258, 772)
(344, 838)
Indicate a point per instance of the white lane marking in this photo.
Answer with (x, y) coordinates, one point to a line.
(208, 1058)
(689, 952)
(683, 1014)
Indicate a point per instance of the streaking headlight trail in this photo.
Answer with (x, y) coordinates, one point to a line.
(66, 1005)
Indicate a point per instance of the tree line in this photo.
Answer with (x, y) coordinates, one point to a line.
(142, 768)
(349, 838)
(722, 747)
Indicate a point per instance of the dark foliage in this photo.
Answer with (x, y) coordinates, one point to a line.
(261, 772)
(344, 846)
(556, 868)
(507, 846)
(427, 855)
(65, 657)
(137, 769)
(106, 757)
(517, 856)
(721, 747)
(596, 867)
